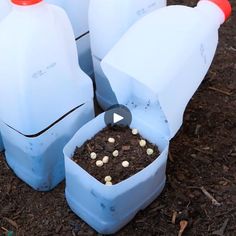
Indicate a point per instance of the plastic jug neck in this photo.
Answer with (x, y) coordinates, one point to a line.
(26, 2)
(220, 9)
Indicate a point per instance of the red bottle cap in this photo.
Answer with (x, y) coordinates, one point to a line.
(225, 6)
(26, 2)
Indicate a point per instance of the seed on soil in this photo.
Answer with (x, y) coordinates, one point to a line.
(150, 151)
(115, 153)
(108, 178)
(111, 140)
(99, 163)
(93, 155)
(109, 183)
(142, 143)
(125, 164)
(105, 159)
(134, 131)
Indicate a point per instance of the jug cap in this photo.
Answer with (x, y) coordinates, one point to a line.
(224, 5)
(25, 2)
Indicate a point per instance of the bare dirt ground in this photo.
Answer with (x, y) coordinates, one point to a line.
(203, 154)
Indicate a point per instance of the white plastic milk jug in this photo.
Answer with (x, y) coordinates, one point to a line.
(47, 96)
(5, 8)
(108, 21)
(77, 11)
(175, 48)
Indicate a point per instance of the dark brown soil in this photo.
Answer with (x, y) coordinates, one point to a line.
(202, 154)
(129, 150)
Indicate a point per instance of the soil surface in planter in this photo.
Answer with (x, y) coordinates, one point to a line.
(126, 143)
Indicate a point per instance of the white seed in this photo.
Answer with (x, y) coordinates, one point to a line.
(99, 163)
(142, 143)
(150, 151)
(108, 179)
(93, 155)
(125, 164)
(111, 140)
(115, 153)
(134, 131)
(105, 159)
(109, 183)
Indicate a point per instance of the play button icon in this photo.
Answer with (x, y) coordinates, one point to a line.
(118, 115)
(117, 118)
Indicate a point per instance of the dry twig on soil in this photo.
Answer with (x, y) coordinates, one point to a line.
(174, 216)
(221, 231)
(221, 91)
(208, 195)
(183, 225)
(11, 222)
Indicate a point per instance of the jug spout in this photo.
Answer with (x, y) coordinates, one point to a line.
(220, 10)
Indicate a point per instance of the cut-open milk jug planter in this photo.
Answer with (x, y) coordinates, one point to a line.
(175, 46)
(5, 8)
(77, 11)
(108, 21)
(48, 96)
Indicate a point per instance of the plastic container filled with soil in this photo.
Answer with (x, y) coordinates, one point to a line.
(109, 206)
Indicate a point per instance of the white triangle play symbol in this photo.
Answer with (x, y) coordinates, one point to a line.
(117, 118)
